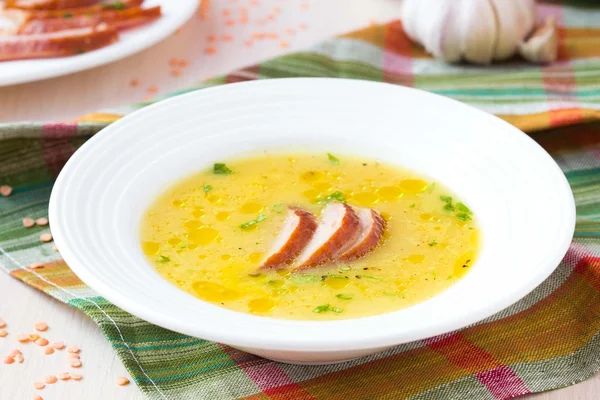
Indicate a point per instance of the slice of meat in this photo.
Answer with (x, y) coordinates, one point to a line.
(89, 10)
(372, 226)
(120, 20)
(299, 228)
(57, 44)
(49, 4)
(339, 226)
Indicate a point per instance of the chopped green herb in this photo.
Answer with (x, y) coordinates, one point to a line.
(339, 196)
(321, 309)
(431, 244)
(336, 309)
(183, 245)
(345, 268)
(449, 207)
(207, 188)
(462, 207)
(333, 159)
(306, 278)
(163, 259)
(67, 15)
(446, 199)
(248, 224)
(116, 5)
(278, 208)
(335, 276)
(370, 277)
(412, 205)
(463, 216)
(343, 296)
(221, 169)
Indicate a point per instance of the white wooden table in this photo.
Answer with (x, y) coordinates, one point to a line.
(108, 86)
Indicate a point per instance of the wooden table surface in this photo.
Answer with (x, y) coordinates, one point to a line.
(108, 87)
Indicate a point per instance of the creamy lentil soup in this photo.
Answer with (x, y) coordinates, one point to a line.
(210, 233)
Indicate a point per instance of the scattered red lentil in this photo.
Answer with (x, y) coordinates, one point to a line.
(122, 381)
(3, 332)
(5, 190)
(183, 63)
(134, 82)
(227, 38)
(28, 222)
(212, 38)
(64, 376)
(41, 326)
(152, 89)
(21, 337)
(243, 20)
(39, 385)
(303, 26)
(35, 266)
(2, 323)
(19, 358)
(50, 379)
(46, 237)
(42, 221)
(210, 50)
(248, 43)
(73, 349)
(42, 342)
(73, 355)
(38, 397)
(33, 337)
(304, 6)
(13, 353)
(8, 360)
(75, 376)
(176, 72)
(290, 31)
(254, 3)
(276, 9)
(283, 44)
(58, 345)
(270, 17)
(226, 12)
(75, 363)
(48, 350)
(230, 22)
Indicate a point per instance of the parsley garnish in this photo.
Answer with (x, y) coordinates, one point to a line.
(446, 199)
(326, 307)
(207, 188)
(333, 159)
(412, 205)
(339, 196)
(461, 207)
(221, 169)
(335, 276)
(343, 296)
(369, 277)
(463, 216)
(431, 244)
(163, 259)
(116, 5)
(248, 224)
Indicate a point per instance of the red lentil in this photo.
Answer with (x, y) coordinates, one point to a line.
(3, 332)
(41, 326)
(39, 385)
(58, 345)
(28, 222)
(46, 237)
(2, 323)
(75, 377)
(48, 350)
(5, 190)
(50, 379)
(64, 376)
(8, 360)
(41, 221)
(122, 381)
(73, 349)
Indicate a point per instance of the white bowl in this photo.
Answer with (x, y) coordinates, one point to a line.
(520, 196)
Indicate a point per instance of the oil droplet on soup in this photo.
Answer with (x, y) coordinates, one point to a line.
(209, 233)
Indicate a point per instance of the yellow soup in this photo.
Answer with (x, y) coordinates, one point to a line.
(209, 233)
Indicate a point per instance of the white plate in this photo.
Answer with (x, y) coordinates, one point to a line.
(520, 196)
(175, 14)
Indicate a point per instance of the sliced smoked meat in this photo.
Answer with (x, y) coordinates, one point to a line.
(50, 4)
(338, 228)
(56, 44)
(298, 230)
(372, 226)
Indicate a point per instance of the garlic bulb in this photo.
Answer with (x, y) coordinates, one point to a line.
(478, 31)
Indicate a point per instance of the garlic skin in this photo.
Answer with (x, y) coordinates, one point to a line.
(542, 46)
(478, 31)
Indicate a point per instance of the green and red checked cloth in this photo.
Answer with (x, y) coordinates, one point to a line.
(548, 340)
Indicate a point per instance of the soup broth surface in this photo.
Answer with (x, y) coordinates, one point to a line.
(208, 234)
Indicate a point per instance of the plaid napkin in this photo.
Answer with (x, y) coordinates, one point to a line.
(548, 340)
